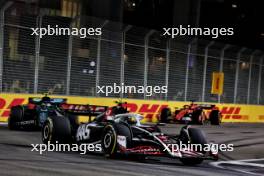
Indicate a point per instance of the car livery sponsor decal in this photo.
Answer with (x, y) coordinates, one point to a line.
(121, 140)
(28, 122)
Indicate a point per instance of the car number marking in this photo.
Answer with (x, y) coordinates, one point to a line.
(83, 132)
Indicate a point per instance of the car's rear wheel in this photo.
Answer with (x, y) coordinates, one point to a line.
(56, 128)
(164, 115)
(215, 117)
(16, 115)
(73, 118)
(198, 117)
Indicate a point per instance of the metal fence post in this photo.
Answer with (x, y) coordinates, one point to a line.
(260, 77)
(69, 65)
(205, 68)
(97, 79)
(237, 72)
(122, 71)
(37, 50)
(167, 67)
(69, 62)
(2, 25)
(187, 68)
(221, 64)
(2, 19)
(249, 76)
(146, 60)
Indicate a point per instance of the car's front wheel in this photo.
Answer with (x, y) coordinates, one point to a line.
(109, 138)
(191, 161)
(193, 136)
(109, 141)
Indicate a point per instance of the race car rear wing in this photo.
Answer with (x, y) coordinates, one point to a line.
(91, 110)
(38, 100)
(206, 106)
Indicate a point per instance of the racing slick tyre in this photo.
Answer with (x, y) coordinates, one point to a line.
(56, 128)
(16, 115)
(164, 115)
(109, 138)
(73, 118)
(198, 117)
(196, 136)
(215, 117)
(191, 161)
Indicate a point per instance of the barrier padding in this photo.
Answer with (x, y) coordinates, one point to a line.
(149, 108)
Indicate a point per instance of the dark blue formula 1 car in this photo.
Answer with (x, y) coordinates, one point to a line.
(32, 116)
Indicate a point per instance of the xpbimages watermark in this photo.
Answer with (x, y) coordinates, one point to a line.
(116, 89)
(58, 147)
(173, 148)
(210, 147)
(196, 31)
(57, 31)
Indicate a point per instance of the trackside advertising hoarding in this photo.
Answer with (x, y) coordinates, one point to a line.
(149, 108)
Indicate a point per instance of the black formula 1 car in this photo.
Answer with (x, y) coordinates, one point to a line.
(32, 116)
(119, 132)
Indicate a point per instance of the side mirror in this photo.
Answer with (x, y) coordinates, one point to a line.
(109, 118)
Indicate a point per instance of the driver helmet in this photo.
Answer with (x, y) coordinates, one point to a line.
(131, 120)
(45, 99)
(119, 105)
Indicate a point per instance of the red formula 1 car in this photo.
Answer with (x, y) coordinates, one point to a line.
(198, 114)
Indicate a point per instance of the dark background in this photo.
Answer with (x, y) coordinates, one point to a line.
(245, 16)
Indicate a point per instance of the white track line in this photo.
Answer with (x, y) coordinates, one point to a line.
(240, 163)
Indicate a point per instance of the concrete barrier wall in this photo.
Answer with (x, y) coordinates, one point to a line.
(149, 108)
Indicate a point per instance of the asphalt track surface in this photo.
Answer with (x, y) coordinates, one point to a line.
(16, 157)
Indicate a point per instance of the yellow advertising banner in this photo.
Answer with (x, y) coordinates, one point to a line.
(217, 83)
(149, 108)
